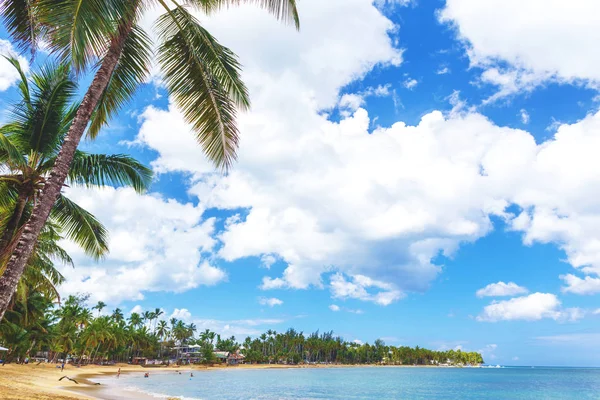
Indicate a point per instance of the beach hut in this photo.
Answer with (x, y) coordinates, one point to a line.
(235, 358)
(139, 360)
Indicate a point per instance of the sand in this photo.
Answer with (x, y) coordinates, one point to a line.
(40, 382)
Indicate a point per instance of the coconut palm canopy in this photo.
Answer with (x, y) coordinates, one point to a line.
(202, 75)
(29, 143)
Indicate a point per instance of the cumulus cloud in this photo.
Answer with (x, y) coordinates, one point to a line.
(357, 289)
(335, 197)
(552, 41)
(577, 285)
(182, 314)
(271, 302)
(334, 308)
(501, 289)
(156, 244)
(533, 307)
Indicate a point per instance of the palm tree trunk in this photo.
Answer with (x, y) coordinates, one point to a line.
(96, 354)
(29, 349)
(41, 211)
(82, 354)
(13, 222)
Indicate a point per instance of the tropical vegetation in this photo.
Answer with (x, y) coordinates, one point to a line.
(30, 141)
(71, 331)
(105, 39)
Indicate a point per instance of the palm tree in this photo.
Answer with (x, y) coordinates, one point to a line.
(99, 307)
(202, 76)
(162, 331)
(135, 320)
(117, 315)
(146, 316)
(29, 144)
(157, 313)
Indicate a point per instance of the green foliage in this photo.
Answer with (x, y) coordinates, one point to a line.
(204, 80)
(29, 144)
(73, 330)
(203, 77)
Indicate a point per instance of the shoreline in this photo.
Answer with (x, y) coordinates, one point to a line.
(40, 382)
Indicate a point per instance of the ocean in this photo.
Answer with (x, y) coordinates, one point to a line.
(370, 383)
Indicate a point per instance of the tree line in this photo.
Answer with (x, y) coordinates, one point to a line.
(86, 335)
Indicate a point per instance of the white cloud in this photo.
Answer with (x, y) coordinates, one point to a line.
(334, 308)
(8, 73)
(357, 289)
(155, 245)
(378, 91)
(410, 83)
(182, 314)
(443, 71)
(358, 341)
(268, 260)
(574, 284)
(552, 40)
(335, 197)
(557, 194)
(351, 101)
(524, 116)
(501, 289)
(533, 307)
(271, 302)
(136, 309)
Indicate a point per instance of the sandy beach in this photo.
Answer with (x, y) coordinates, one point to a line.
(41, 382)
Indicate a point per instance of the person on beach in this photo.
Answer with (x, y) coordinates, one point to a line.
(118, 373)
(146, 375)
(62, 366)
(191, 374)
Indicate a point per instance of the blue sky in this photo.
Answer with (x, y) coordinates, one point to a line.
(419, 171)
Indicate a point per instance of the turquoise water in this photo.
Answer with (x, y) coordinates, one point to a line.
(373, 383)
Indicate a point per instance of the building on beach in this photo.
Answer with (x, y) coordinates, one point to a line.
(229, 358)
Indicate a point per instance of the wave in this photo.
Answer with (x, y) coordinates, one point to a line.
(158, 395)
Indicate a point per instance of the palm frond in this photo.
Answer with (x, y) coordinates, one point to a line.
(39, 122)
(80, 30)
(23, 84)
(9, 153)
(132, 70)
(285, 10)
(104, 170)
(81, 227)
(204, 80)
(47, 248)
(20, 19)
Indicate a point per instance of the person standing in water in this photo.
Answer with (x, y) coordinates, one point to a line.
(118, 373)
